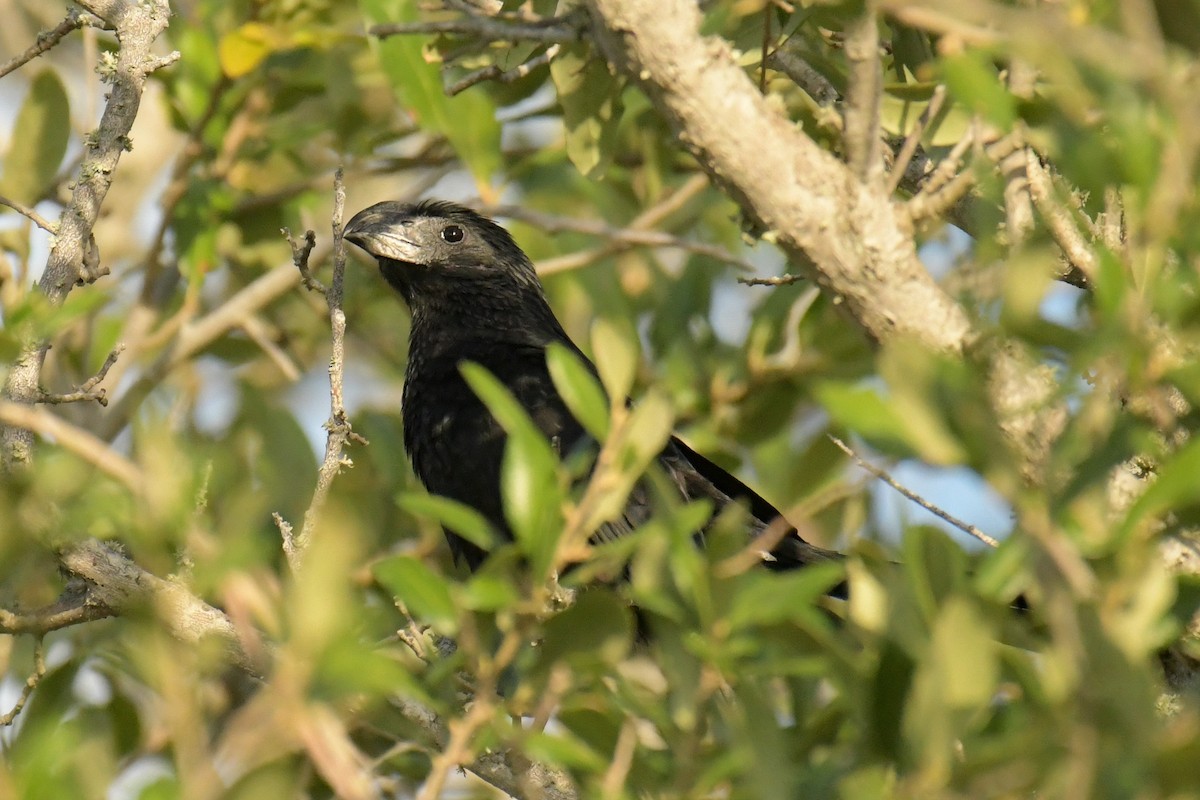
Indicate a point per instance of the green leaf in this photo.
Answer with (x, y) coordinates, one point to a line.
(616, 353)
(468, 121)
(865, 412)
(641, 440)
(528, 474)
(1174, 486)
(451, 515)
(597, 628)
(487, 592)
(579, 389)
(423, 592)
(39, 140)
(590, 96)
(975, 82)
(769, 598)
(963, 655)
(936, 565)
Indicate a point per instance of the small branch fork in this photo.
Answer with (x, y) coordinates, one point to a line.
(338, 427)
(87, 390)
(481, 25)
(35, 677)
(493, 72)
(76, 19)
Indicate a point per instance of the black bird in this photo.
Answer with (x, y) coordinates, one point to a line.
(474, 296)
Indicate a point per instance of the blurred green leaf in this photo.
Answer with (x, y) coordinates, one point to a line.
(422, 591)
(597, 627)
(616, 356)
(865, 412)
(468, 121)
(529, 472)
(43, 127)
(975, 82)
(591, 101)
(579, 389)
(452, 515)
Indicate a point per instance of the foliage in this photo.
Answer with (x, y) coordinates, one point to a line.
(677, 671)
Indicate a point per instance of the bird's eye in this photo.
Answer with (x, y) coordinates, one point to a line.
(452, 234)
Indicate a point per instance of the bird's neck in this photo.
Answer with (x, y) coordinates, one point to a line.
(469, 319)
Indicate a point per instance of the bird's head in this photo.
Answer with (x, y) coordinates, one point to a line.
(435, 249)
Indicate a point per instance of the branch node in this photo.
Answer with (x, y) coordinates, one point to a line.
(86, 390)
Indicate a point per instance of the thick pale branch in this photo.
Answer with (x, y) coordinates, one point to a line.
(194, 337)
(82, 443)
(845, 234)
(858, 244)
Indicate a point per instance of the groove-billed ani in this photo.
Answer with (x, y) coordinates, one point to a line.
(475, 297)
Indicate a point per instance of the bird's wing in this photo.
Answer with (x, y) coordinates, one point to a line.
(697, 477)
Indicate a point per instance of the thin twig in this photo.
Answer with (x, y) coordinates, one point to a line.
(76, 605)
(932, 203)
(612, 785)
(767, 12)
(637, 237)
(35, 677)
(300, 256)
(87, 390)
(778, 280)
(789, 60)
(29, 212)
(75, 20)
(493, 72)
(550, 30)
(338, 427)
(913, 140)
(647, 220)
(965, 527)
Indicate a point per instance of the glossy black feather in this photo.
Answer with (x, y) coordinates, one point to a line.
(474, 296)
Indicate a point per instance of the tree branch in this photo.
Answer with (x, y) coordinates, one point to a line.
(75, 20)
(84, 444)
(196, 336)
(848, 236)
(859, 248)
(937, 511)
(338, 427)
(138, 25)
(861, 112)
(31, 214)
(87, 390)
(550, 30)
(1059, 220)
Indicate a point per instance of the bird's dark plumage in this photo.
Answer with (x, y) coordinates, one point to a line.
(474, 296)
